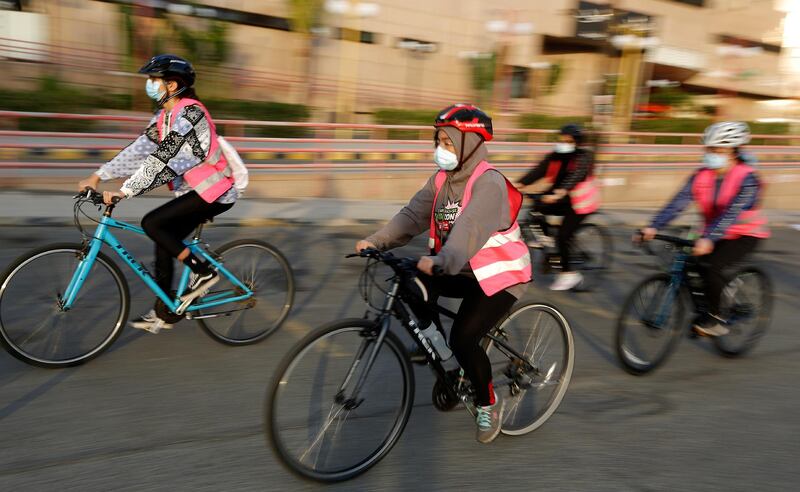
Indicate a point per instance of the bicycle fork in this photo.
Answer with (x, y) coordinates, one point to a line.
(352, 401)
(82, 271)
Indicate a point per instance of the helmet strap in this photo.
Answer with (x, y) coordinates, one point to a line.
(166, 98)
(472, 152)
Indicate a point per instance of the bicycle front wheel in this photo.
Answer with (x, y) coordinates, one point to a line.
(747, 304)
(317, 422)
(534, 380)
(649, 325)
(265, 271)
(33, 326)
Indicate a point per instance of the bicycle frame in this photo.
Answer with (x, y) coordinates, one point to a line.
(392, 307)
(103, 234)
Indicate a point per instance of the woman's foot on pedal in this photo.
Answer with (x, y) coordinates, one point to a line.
(202, 283)
(710, 325)
(489, 420)
(567, 281)
(150, 322)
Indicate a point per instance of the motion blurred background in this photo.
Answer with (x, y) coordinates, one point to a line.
(331, 104)
(356, 84)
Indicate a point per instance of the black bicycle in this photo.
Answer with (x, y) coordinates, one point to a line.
(653, 317)
(590, 249)
(343, 395)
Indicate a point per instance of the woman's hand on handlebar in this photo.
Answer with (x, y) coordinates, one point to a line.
(112, 197)
(646, 234)
(702, 247)
(90, 182)
(364, 244)
(425, 265)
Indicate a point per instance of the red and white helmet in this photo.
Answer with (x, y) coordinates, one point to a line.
(466, 118)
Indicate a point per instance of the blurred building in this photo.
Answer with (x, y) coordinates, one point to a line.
(551, 57)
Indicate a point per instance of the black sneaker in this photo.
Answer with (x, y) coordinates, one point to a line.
(199, 287)
(710, 325)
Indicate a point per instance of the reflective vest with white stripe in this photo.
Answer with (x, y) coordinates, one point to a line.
(504, 260)
(751, 222)
(212, 177)
(585, 196)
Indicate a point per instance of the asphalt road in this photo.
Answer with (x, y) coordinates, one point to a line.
(178, 411)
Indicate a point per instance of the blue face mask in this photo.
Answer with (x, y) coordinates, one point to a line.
(153, 89)
(446, 160)
(715, 161)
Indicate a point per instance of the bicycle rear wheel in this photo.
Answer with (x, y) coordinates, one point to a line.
(649, 325)
(315, 424)
(34, 328)
(533, 385)
(264, 270)
(590, 253)
(747, 304)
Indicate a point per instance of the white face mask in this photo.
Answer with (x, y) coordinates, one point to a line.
(446, 160)
(564, 148)
(715, 161)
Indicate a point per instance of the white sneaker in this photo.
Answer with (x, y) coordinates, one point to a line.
(150, 322)
(567, 281)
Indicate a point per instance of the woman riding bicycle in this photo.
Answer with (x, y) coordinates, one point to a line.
(572, 194)
(727, 192)
(470, 209)
(179, 148)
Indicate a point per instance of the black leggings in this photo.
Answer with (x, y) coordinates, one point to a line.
(568, 227)
(727, 252)
(477, 315)
(168, 226)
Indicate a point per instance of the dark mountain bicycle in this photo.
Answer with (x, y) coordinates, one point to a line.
(590, 249)
(654, 315)
(343, 395)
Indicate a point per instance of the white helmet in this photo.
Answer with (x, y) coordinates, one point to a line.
(727, 134)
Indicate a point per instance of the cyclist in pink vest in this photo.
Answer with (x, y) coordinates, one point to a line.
(572, 194)
(178, 148)
(470, 209)
(727, 193)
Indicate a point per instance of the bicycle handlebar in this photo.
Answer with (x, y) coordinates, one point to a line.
(95, 196)
(405, 265)
(678, 241)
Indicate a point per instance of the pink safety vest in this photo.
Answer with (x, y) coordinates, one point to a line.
(585, 197)
(504, 260)
(211, 178)
(749, 223)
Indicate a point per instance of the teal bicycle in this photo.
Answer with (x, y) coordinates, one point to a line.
(63, 304)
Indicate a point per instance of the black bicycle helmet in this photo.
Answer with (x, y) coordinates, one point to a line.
(574, 130)
(170, 66)
(466, 118)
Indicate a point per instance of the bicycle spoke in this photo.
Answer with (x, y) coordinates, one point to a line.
(328, 421)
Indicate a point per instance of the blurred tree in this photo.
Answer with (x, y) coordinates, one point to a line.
(671, 96)
(305, 16)
(554, 77)
(483, 74)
